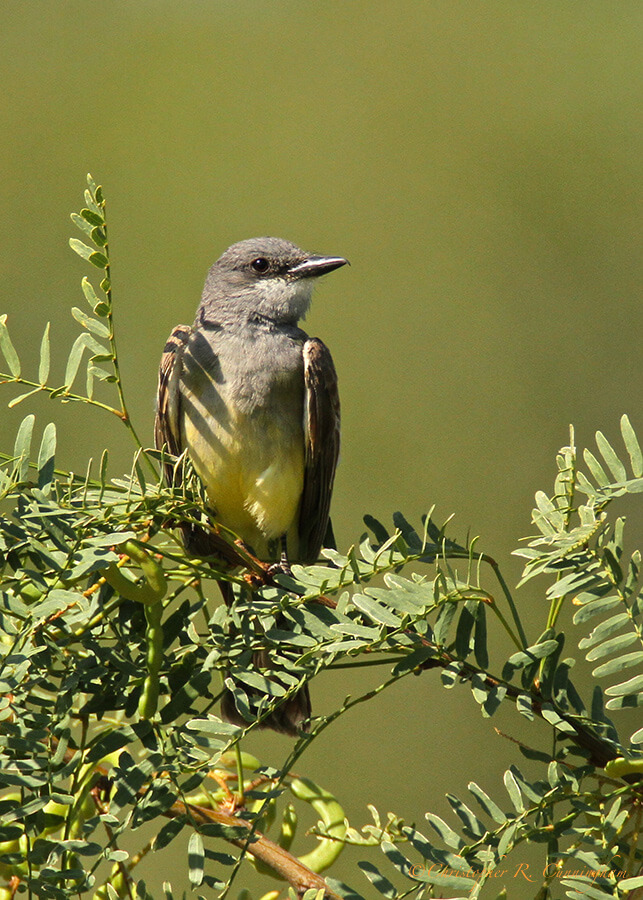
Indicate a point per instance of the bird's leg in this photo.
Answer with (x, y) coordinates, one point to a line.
(283, 566)
(283, 562)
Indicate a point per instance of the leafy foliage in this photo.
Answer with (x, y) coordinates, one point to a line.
(115, 650)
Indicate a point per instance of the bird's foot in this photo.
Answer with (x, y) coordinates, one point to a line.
(280, 568)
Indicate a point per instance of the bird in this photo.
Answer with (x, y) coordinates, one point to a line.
(254, 402)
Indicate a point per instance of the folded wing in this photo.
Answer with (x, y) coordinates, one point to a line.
(321, 442)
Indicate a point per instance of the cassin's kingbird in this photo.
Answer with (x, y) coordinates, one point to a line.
(253, 399)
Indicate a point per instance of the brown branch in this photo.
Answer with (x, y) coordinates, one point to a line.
(283, 863)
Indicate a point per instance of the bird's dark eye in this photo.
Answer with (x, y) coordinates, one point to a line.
(260, 264)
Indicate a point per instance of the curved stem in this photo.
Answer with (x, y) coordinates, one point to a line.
(112, 345)
(58, 392)
(505, 590)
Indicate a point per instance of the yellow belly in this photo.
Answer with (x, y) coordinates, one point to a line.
(253, 472)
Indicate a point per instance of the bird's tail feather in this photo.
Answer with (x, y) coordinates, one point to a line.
(290, 717)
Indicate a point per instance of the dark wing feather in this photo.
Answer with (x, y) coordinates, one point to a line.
(167, 436)
(321, 440)
(167, 425)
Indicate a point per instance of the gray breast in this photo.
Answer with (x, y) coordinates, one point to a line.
(255, 369)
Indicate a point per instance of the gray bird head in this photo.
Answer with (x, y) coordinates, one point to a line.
(265, 276)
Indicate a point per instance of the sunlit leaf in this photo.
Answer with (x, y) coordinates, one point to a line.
(631, 686)
(80, 248)
(196, 859)
(22, 447)
(46, 458)
(608, 453)
(488, 805)
(91, 324)
(632, 446)
(7, 348)
(45, 356)
(514, 791)
(607, 648)
(379, 881)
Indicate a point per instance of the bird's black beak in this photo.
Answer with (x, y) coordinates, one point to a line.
(315, 266)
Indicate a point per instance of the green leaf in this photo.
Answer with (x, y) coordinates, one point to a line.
(91, 324)
(595, 608)
(506, 842)
(632, 446)
(514, 791)
(611, 646)
(99, 260)
(533, 791)
(450, 837)
(598, 472)
(443, 622)
(22, 447)
(366, 552)
(487, 804)
(379, 882)
(584, 889)
(89, 195)
(79, 222)
(572, 583)
(625, 702)
(375, 611)
(73, 361)
(92, 217)
(80, 248)
(102, 374)
(550, 715)
(109, 742)
(618, 664)
(632, 686)
(90, 560)
(524, 706)
(90, 294)
(21, 397)
(196, 859)
(169, 831)
(213, 725)
(472, 826)
(614, 464)
(83, 341)
(604, 630)
(464, 630)
(46, 458)
(43, 369)
(404, 596)
(8, 350)
(525, 657)
(357, 630)
(259, 682)
(99, 237)
(637, 737)
(628, 884)
(415, 659)
(424, 874)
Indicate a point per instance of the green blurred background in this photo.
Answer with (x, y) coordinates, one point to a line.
(480, 165)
